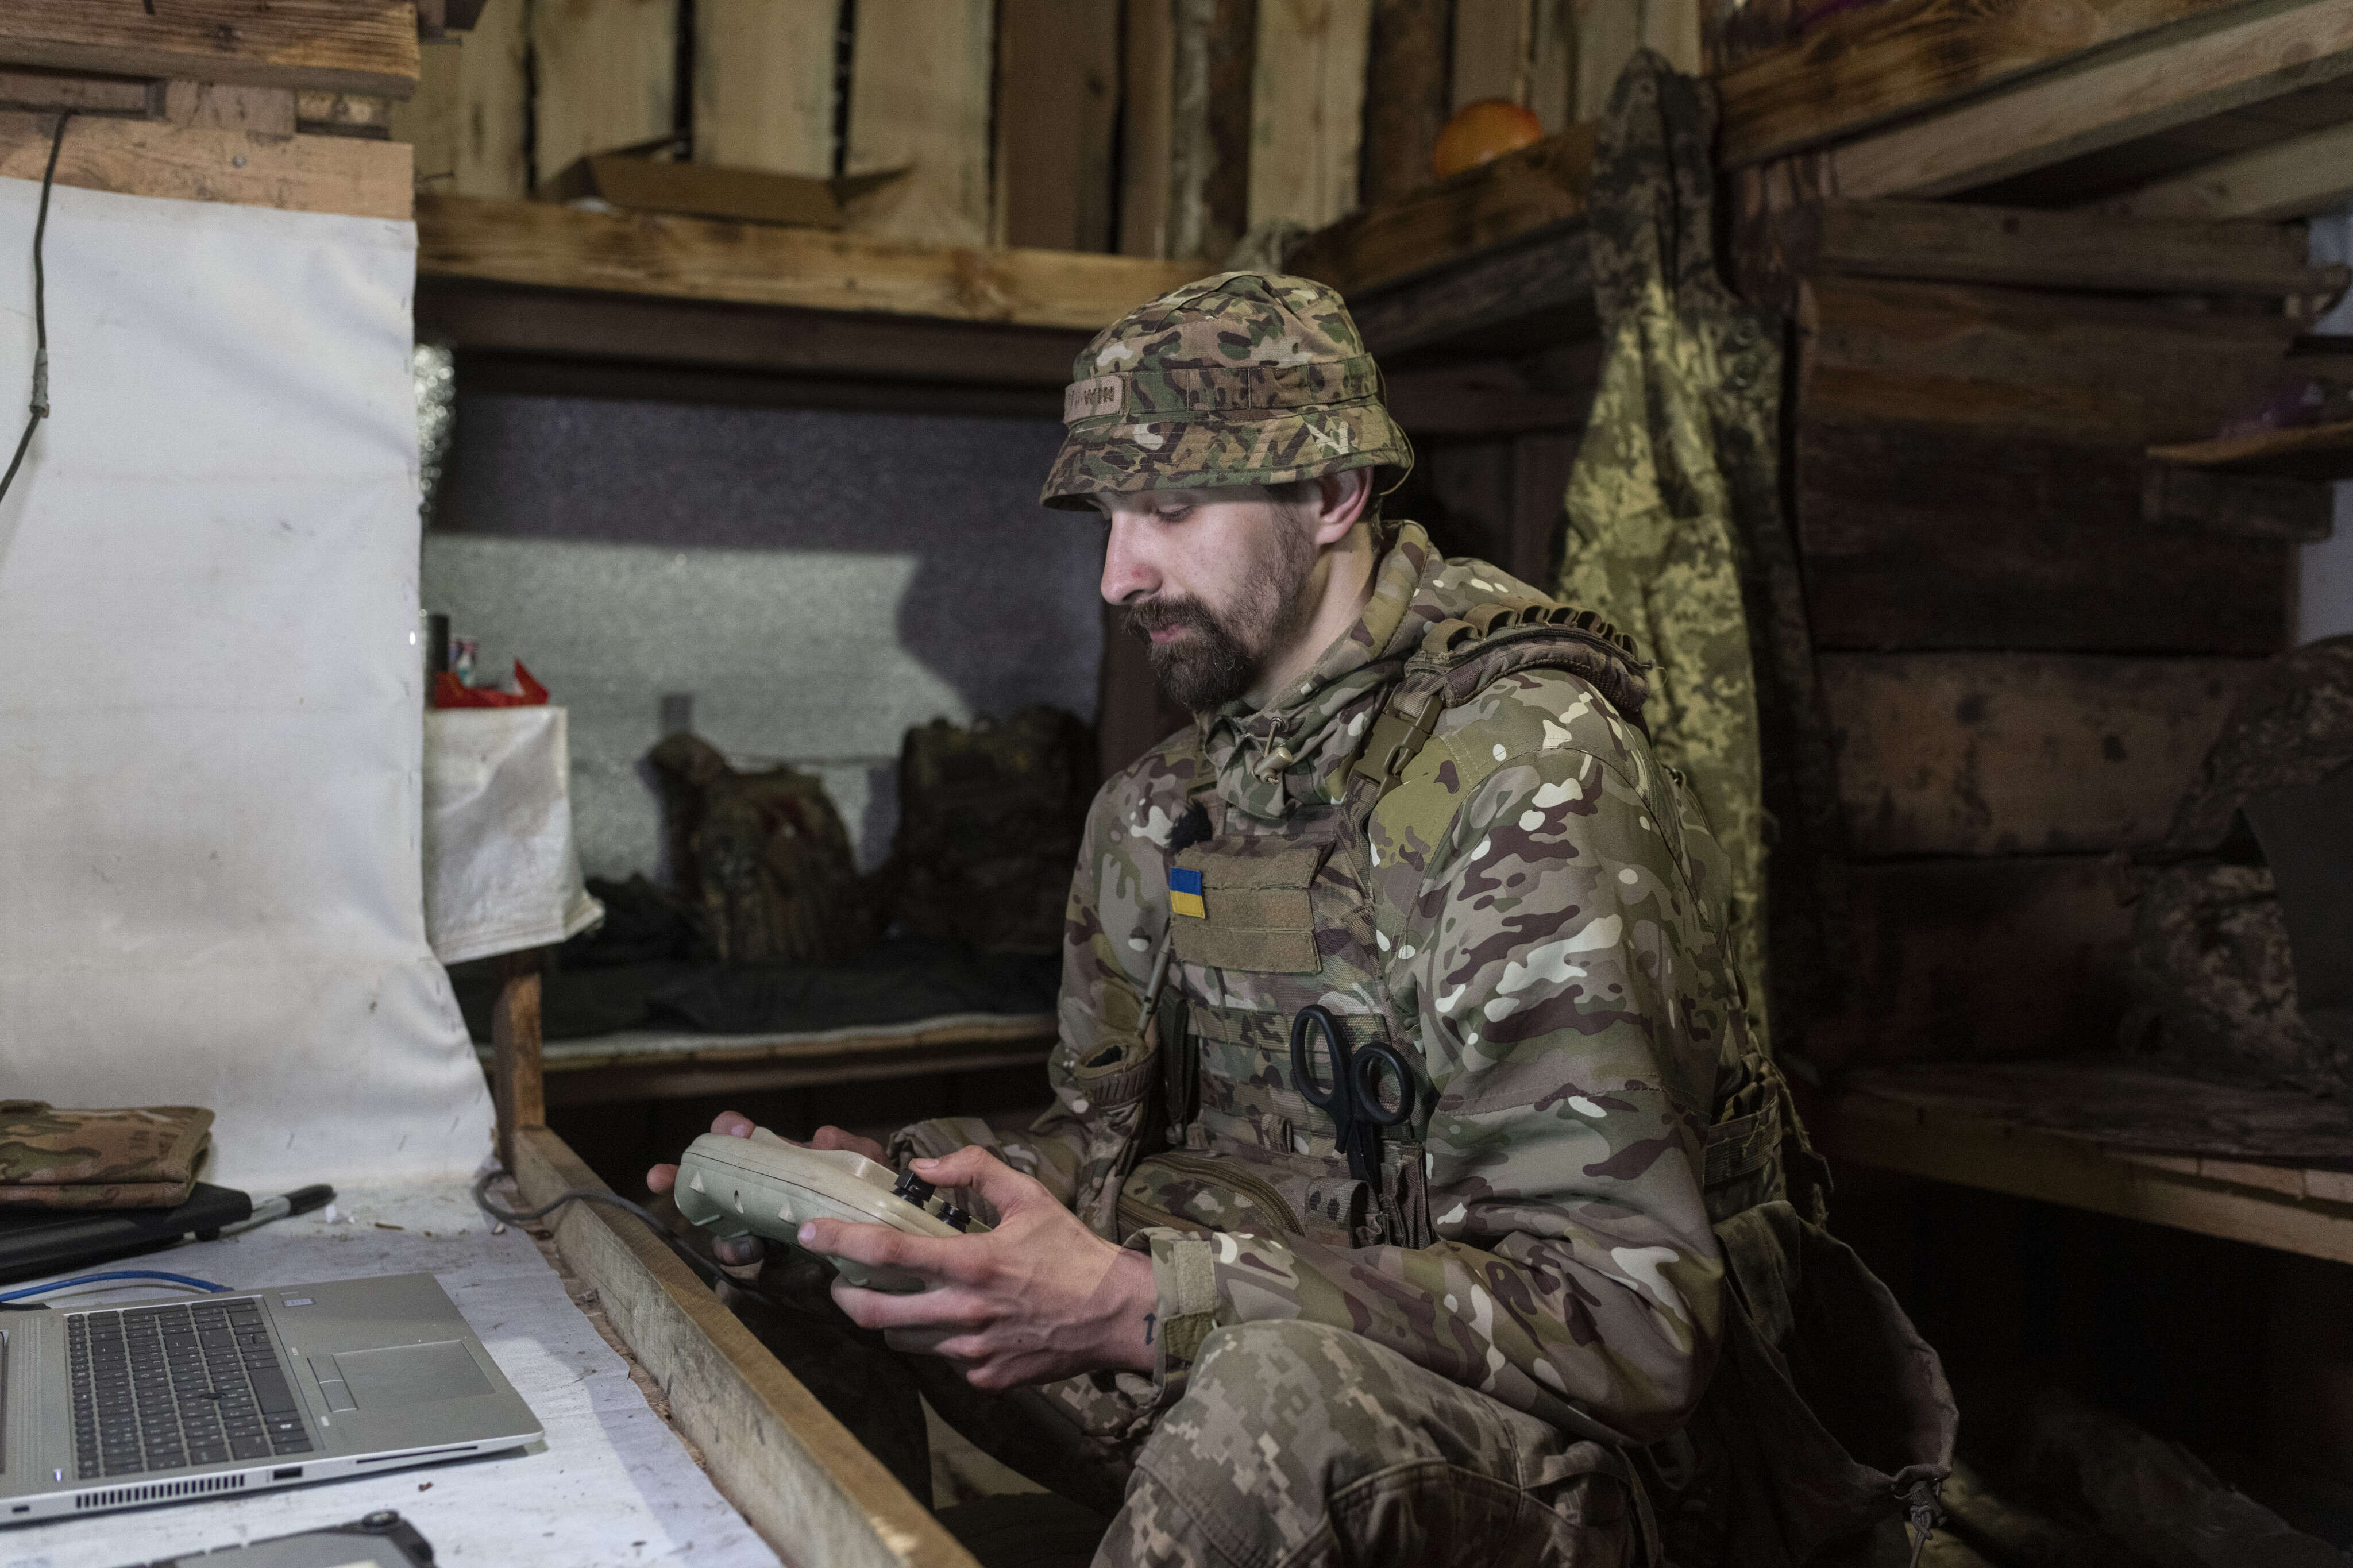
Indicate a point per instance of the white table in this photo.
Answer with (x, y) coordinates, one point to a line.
(610, 1483)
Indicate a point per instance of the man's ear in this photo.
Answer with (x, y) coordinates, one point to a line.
(1341, 500)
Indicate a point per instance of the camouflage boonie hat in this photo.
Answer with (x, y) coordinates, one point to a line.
(1246, 378)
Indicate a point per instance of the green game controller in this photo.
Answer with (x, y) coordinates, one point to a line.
(764, 1186)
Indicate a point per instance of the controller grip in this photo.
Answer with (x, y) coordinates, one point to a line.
(733, 1201)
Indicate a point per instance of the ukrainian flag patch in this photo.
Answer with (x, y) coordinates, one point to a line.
(1184, 894)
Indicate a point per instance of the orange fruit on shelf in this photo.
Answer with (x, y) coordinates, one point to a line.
(1487, 129)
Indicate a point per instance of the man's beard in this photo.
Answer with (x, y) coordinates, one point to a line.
(1228, 652)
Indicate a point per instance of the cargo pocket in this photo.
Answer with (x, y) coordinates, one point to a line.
(1258, 916)
(1202, 1192)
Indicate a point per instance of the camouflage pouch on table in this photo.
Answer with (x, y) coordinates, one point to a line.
(140, 1157)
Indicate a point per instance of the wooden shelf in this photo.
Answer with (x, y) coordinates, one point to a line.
(1490, 262)
(2312, 452)
(545, 245)
(1448, 220)
(2269, 1167)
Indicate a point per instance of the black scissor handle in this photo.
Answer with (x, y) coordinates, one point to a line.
(1366, 1072)
(1336, 1045)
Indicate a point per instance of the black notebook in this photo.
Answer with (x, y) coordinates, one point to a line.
(35, 1242)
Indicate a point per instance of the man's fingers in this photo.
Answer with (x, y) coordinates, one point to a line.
(738, 1250)
(734, 1123)
(830, 1137)
(881, 1247)
(946, 1310)
(975, 1167)
(661, 1178)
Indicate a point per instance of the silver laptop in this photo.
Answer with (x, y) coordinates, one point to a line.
(106, 1407)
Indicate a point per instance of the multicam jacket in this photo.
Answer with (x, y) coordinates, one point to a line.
(1532, 913)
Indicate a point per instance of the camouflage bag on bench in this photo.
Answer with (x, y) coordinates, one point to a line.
(989, 823)
(2240, 914)
(761, 858)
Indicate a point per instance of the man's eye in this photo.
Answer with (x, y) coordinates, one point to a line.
(1173, 513)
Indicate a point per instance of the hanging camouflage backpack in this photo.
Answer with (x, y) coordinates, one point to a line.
(2241, 966)
(761, 858)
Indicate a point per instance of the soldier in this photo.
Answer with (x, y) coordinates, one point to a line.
(1418, 796)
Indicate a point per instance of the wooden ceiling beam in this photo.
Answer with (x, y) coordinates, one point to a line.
(2242, 57)
(2296, 178)
(1875, 65)
(343, 45)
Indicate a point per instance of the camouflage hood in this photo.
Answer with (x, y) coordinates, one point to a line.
(1244, 378)
(1298, 748)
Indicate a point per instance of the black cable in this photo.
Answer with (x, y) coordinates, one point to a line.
(40, 312)
(709, 1273)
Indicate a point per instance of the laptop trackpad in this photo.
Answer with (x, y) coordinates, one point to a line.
(411, 1374)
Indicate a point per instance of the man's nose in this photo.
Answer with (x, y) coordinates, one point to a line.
(1126, 574)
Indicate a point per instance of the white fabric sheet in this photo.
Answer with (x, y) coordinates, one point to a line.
(210, 712)
(502, 868)
(610, 1484)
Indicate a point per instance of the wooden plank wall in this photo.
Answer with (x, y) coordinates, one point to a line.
(763, 83)
(1160, 128)
(2024, 651)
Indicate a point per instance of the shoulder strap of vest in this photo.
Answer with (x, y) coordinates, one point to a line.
(1463, 655)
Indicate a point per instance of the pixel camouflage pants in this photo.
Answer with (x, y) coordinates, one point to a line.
(1298, 1444)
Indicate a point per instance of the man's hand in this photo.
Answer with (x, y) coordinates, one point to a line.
(1040, 1298)
(735, 1124)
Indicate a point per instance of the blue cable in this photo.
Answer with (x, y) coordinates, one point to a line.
(113, 1274)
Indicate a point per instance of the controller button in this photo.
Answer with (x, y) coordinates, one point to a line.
(913, 1188)
(954, 1218)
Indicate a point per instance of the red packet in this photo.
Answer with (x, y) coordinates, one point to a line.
(448, 691)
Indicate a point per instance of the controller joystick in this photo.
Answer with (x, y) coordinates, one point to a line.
(764, 1186)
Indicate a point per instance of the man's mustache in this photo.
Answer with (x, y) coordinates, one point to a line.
(1148, 615)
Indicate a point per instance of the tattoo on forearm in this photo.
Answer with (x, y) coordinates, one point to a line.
(1149, 1318)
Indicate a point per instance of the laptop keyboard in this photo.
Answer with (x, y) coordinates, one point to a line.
(162, 1388)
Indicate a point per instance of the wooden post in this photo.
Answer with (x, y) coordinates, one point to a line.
(763, 84)
(1405, 97)
(1147, 128)
(518, 1080)
(1490, 51)
(606, 77)
(1307, 110)
(1057, 73)
(468, 120)
(919, 98)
